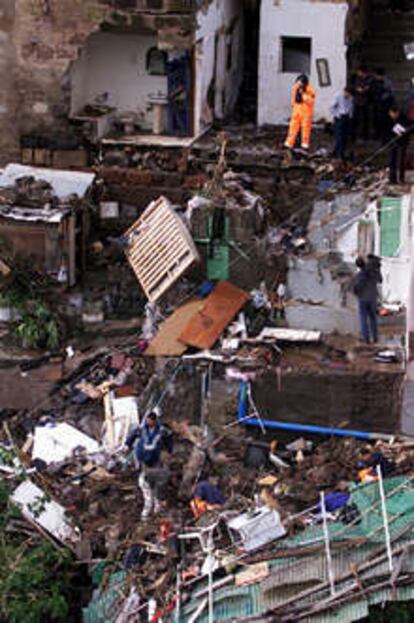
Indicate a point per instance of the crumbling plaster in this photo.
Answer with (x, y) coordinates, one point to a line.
(216, 23)
(115, 65)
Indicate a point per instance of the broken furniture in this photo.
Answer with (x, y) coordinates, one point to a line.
(251, 530)
(159, 248)
(52, 233)
(95, 125)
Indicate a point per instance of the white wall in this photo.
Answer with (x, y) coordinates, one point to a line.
(115, 63)
(395, 270)
(324, 22)
(215, 21)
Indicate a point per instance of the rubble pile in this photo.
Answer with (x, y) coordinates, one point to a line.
(178, 466)
(269, 489)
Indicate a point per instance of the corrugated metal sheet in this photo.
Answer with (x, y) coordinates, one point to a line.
(64, 183)
(105, 607)
(292, 574)
(33, 215)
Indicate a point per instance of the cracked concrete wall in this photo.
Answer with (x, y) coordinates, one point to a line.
(322, 302)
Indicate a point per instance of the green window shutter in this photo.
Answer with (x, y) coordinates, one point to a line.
(390, 226)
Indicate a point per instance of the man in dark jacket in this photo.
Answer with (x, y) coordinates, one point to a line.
(365, 286)
(150, 440)
(361, 85)
(400, 132)
(382, 95)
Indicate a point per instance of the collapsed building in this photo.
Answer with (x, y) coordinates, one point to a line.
(176, 240)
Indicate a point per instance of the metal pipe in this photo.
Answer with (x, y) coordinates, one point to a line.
(327, 545)
(178, 596)
(302, 428)
(385, 518)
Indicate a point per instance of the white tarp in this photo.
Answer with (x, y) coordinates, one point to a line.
(289, 335)
(54, 215)
(64, 183)
(49, 515)
(122, 419)
(56, 443)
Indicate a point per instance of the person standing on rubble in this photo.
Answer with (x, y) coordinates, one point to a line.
(303, 101)
(382, 95)
(342, 111)
(365, 287)
(149, 441)
(361, 85)
(399, 134)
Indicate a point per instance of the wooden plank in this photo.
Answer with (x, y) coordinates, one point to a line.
(154, 270)
(151, 254)
(220, 307)
(160, 232)
(166, 343)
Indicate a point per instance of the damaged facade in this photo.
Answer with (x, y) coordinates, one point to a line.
(188, 412)
(168, 68)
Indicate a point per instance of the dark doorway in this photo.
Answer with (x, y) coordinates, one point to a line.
(179, 74)
(246, 109)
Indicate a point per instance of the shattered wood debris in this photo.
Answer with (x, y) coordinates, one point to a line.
(232, 518)
(220, 307)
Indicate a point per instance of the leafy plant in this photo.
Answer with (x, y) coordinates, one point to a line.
(38, 328)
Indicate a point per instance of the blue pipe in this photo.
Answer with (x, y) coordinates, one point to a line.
(303, 428)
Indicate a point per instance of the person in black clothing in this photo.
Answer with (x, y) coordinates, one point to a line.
(361, 86)
(365, 287)
(399, 131)
(382, 96)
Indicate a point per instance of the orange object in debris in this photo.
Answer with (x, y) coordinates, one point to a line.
(199, 507)
(367, 475)
(302, 116)
(219, 309)
(166, 530)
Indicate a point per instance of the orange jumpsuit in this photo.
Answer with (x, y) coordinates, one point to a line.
(302, 116)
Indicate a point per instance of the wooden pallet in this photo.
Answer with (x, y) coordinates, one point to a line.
(160, 248)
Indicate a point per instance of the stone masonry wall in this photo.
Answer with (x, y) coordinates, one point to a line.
(8, 94)
(39, 39)
(47, 36)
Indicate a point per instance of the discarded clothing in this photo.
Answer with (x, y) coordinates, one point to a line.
(209, 493)
(349, 514)
(207, 497)
(334, 501)
(367, 468)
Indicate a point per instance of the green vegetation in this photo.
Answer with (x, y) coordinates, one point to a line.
(37, 327)
(33, 573)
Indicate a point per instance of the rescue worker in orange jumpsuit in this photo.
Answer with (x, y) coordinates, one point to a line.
(303, 99)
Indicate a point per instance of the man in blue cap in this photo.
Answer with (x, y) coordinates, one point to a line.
(149, 440)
